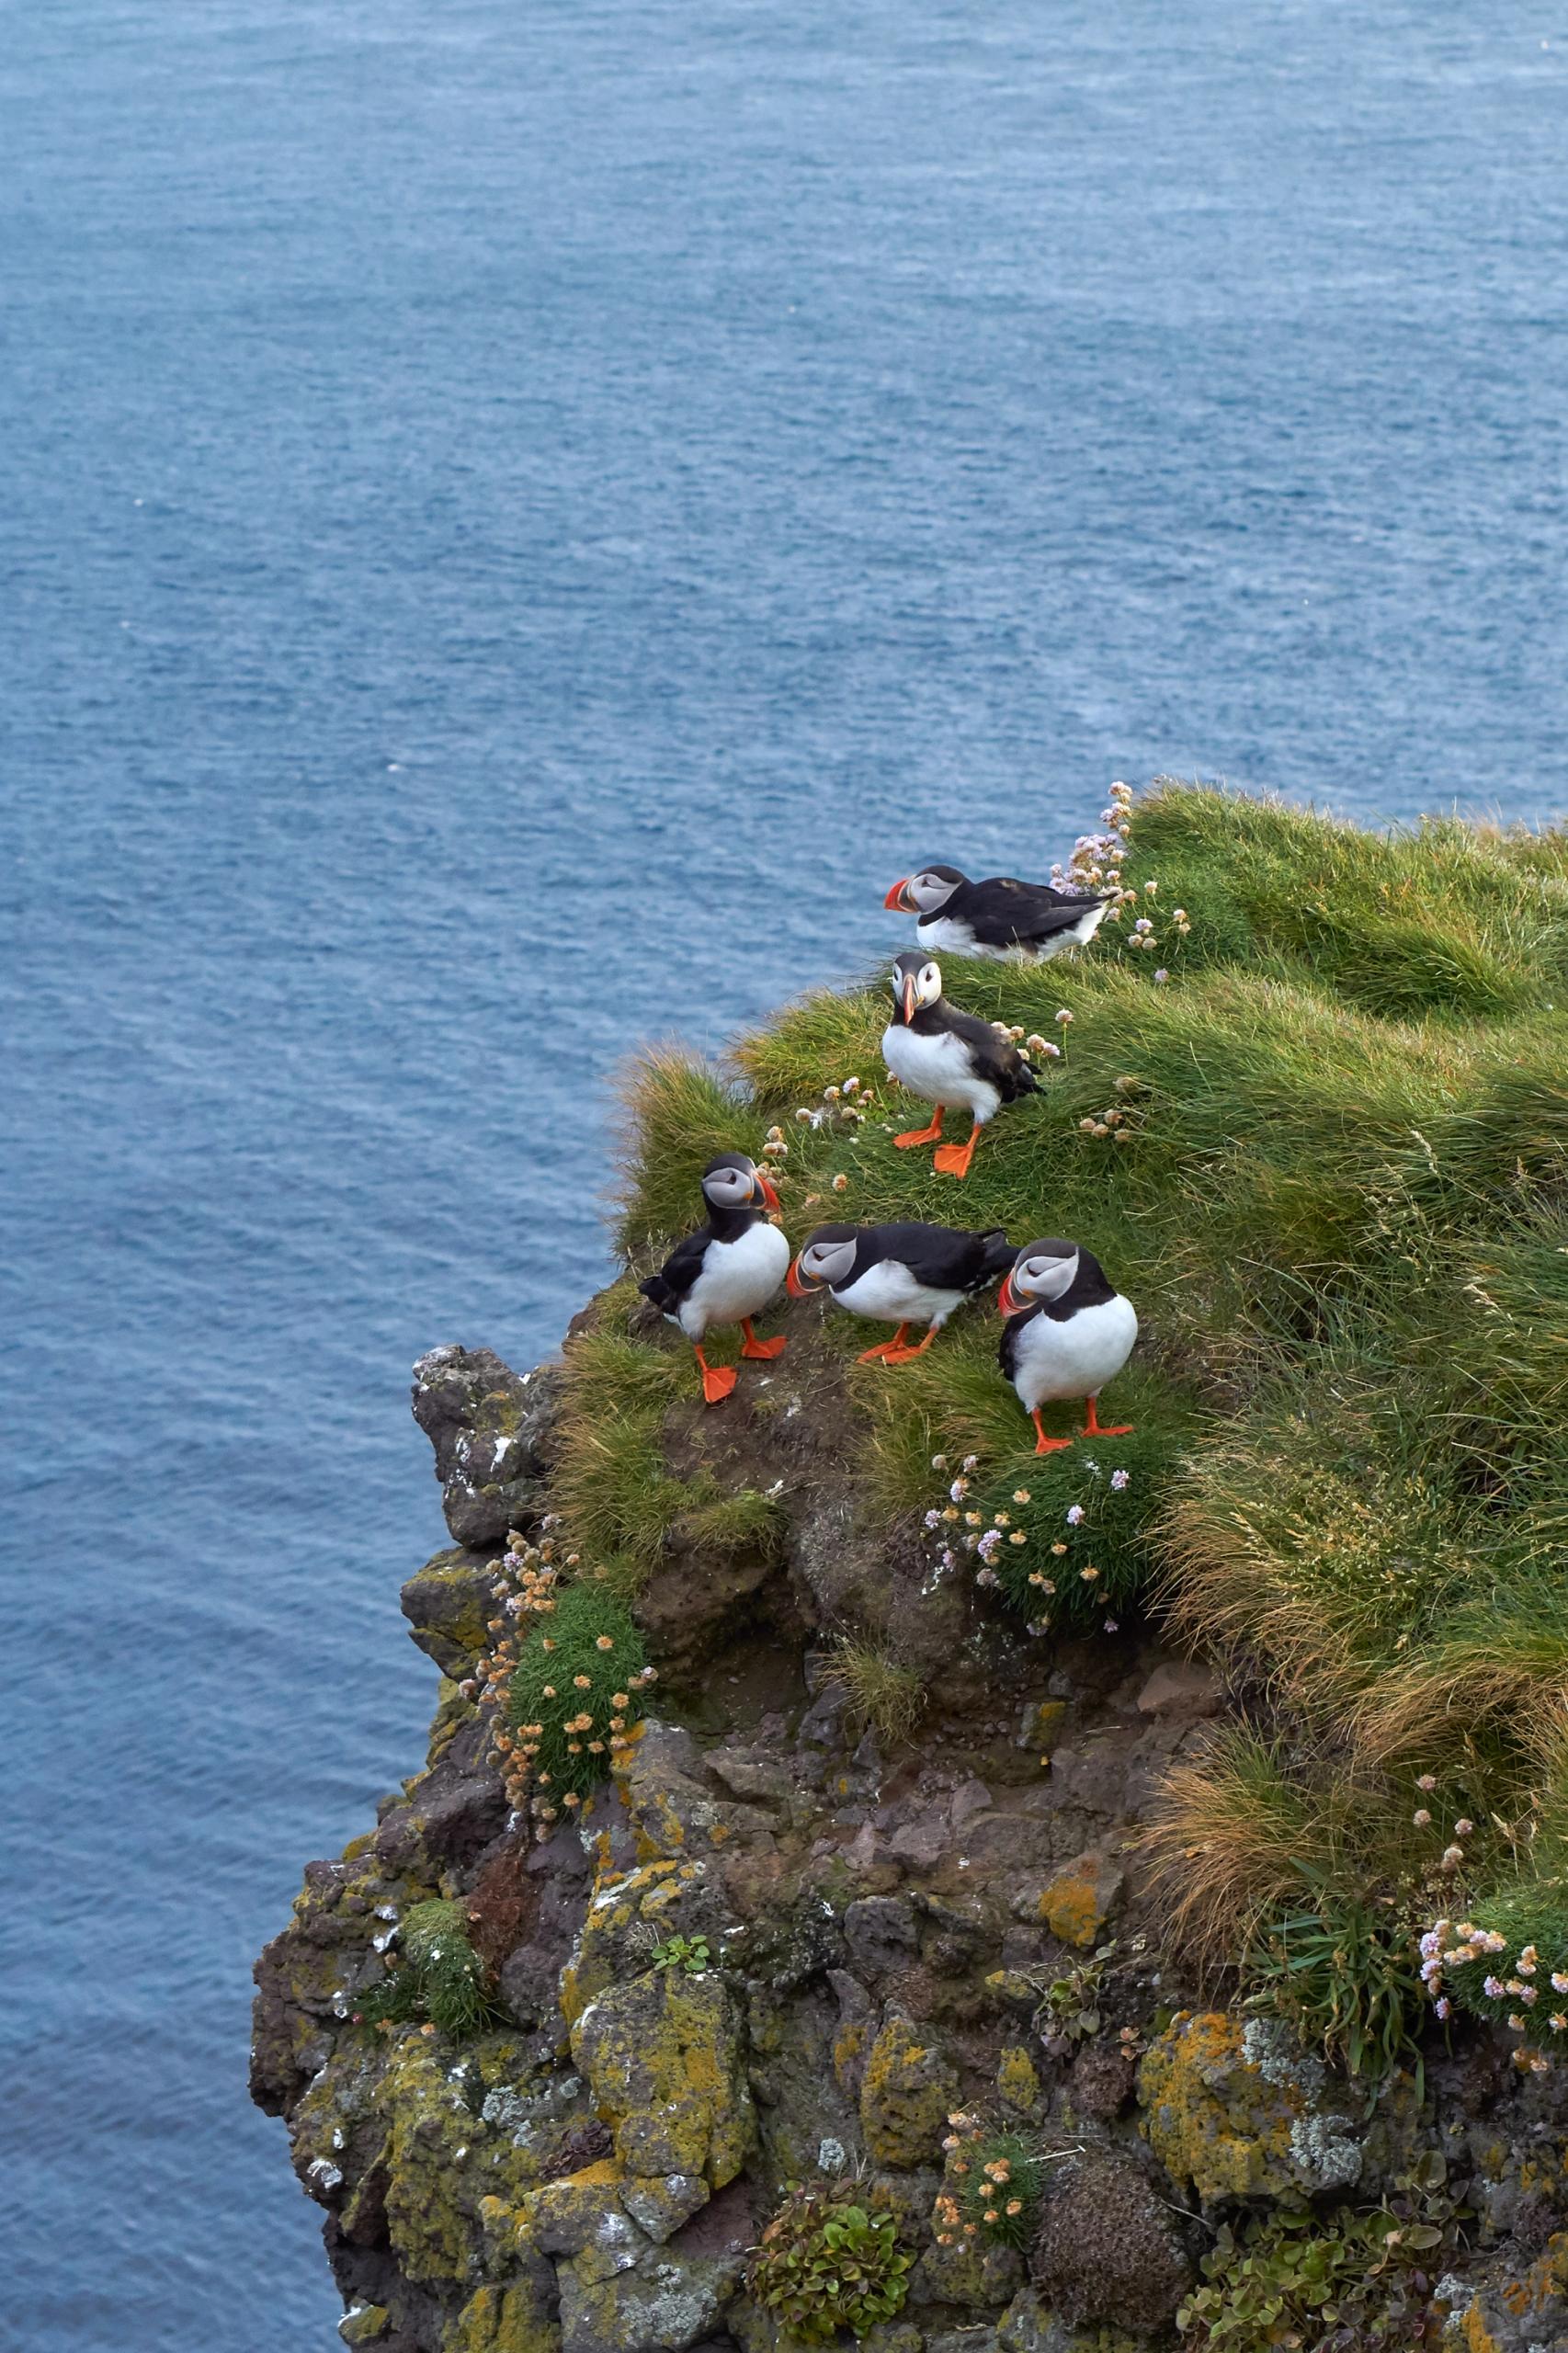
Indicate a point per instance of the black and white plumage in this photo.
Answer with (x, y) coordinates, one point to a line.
(1000, 916)
(1068, 1332)
(900, 1274)
(728, 1270)
(949, 1057)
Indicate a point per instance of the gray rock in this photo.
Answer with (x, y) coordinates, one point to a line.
(970, 1799)
(1182, 1688)
(490, 1429)
(661, 2205)
(751, 1773)
(880, 1932)
(673, 2296)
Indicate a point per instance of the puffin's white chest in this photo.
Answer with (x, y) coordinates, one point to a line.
(936, 1065)
(1074, 1358)
(738, 1279)
(889, 1291)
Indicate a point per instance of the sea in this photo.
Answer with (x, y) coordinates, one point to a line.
(518, 519)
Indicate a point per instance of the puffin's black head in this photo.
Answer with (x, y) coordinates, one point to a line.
(733, 1182)
(1040, 1270)
(916, 981)
(825, 1257)
(923, 894)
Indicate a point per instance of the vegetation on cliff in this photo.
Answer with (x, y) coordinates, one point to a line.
(1319, 1132)
(826, 1906)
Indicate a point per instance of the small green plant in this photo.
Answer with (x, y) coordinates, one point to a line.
(1349, 2279)
(690, 1954)
(440, 1978)
(1068, 1540)
(1508, 1962)
(1343, 1975)
(995, 2181)
(825, 2263)
(890, 1697)
(1070, 2009)
(575, 1693)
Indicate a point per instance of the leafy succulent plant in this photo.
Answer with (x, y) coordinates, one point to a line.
(825, 2263)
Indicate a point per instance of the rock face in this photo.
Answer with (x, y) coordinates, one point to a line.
(767, 1951)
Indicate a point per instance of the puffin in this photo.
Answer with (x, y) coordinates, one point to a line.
(728, 1270)
(1068, 1332)
(949, 1057)
(900, 1274)
(1000, 917)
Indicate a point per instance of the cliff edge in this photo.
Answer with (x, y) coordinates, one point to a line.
(869, 1882)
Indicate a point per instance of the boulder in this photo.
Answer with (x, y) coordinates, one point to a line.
(1075, 1901)
(662, 2058)
(881, 1935)
(665, 2300)
(1236, 2108)
(906, 2094)
(489, 1427)
(449, 1605)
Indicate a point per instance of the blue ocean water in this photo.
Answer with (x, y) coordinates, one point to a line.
(517, 523)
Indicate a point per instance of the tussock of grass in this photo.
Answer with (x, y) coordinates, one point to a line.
(745, 1521)
(1228, 1834)
(882, 1693)
(1341, 1209)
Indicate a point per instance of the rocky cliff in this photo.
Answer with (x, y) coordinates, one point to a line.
(846, 1965)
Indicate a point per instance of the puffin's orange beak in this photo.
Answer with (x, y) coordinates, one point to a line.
(908, 998)
(768, 1193)
(1007, 1298)
(895, 897)
(793, 1283)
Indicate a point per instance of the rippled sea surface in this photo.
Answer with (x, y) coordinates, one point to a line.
(517, 522)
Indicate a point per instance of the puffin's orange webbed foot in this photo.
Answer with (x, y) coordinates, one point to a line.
(1044, 1445)
(922, 1135)
(954, 1158)
(718, 1380)
(765, 1349)
(1094, 1427)
(886, 1350)
(897, 1355)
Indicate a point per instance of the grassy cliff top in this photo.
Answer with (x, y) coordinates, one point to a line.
(1319, 1133)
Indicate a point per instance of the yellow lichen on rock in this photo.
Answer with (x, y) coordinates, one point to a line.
(906, 2097)
(1017, 2081)
(1075, 1904)
(1236, 2109)
(502, 2320)
(662, 2057)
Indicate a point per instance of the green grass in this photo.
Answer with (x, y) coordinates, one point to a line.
(438, 1975)
(1327, 1158)
(887, 1696)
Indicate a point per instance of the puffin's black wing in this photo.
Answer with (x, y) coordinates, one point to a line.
(1012, 1332)
(939, 1256)
(679, 1271)
(1001, 910)
(994, 1056)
